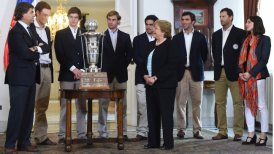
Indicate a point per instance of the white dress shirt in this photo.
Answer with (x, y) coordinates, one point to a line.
(225, 35)
(113, 37)
(188, 40)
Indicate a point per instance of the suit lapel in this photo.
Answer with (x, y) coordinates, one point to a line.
(23, 29)
(108, 40)
(182, 42)
(229, 38)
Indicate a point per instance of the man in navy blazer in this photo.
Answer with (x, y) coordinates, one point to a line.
(140, 44)
(69, 48)
(193, 50)
(226, 46)
(117, 54)
(21, 76)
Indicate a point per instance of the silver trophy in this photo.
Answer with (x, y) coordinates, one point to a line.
(92, 40)
(93, 78)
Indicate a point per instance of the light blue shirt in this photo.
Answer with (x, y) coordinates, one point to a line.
(113, 37)
(149, 63)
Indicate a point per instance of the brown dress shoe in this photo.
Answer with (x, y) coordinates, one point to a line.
(140, 137)
(10, 151)
(237, 137)
(198, 135)
(29, 148)
(181, 134)
(219, 137)
(47, 141)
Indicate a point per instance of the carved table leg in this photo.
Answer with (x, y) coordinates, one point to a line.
(120, 139)
(68, 126)
(89, 126)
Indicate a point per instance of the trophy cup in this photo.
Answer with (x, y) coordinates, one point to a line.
(93, 78)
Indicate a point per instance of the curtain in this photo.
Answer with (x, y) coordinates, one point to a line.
(250, 8)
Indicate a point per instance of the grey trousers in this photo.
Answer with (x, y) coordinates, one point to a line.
(103, 110)
(42, 95)
(81, 111)
(142, 126)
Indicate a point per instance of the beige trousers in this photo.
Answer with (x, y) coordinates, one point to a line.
(221, 87)
(189, 88)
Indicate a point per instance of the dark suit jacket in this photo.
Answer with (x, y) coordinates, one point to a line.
(48, 47)
(22, 66)
(140, 43)
(197, 57)
(115, 63)
(164, 64)
(231, 52)
(69, 52)
(262, 52)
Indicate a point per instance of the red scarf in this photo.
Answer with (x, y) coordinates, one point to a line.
(249, 89)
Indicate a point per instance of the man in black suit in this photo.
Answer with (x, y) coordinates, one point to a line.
(193, 50)
(69, 48)
(22, 74)
(140, 43)
(117, 54)
(42, 12)
(226, 46)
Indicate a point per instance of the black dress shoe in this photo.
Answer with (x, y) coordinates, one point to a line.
(148, 146)
(126, 138)
(61, 141)
(181, 134)
(29, 148)
(261, 144)
(164, 147)
(252, 141)
(47, 141)
(198, 135)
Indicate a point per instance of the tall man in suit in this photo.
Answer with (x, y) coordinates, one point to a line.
(69, 48)
(193, 51)
(226, 45)
(42, 12)
(140, 43)
(22, 74)
(117, 55)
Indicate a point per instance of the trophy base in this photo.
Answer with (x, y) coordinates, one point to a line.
(94, 80)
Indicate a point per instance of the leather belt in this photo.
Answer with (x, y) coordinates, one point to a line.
(45, 65)
(187, 68)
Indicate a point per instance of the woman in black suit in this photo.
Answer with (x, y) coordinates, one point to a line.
(254, 56)
(161, 82)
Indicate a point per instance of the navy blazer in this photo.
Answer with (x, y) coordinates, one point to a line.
(164, 64)
(231, 52)
(22, 68)
(69, 52)
(262, 52)
(197, 57)
(140, 43)
(115, 63)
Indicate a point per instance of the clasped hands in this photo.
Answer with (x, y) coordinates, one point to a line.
(34, 48)
(244, 76)
(150, 80)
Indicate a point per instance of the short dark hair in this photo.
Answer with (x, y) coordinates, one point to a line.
(258, 26)
(151, 17)
(228, 11)
(42, 5)
(192, 16)
(21, 8)
(114, 13)
(75, 10)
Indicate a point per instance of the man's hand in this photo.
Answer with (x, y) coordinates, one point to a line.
(33, 49)
(77, 73)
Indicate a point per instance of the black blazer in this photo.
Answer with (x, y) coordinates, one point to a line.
(164, 64)
(262, 52)
(231, 52)
(22, 68)
(69, 52)
(115, 63)
(140, 43)
(197, 57)
(48, 47)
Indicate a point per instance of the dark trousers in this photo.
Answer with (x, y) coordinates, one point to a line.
(20, 119)
(160, 107)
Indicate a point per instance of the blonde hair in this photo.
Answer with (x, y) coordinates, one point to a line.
(165, 27)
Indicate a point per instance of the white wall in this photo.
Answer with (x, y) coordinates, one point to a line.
(6, 13)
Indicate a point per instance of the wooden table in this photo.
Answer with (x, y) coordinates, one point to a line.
(114, 95)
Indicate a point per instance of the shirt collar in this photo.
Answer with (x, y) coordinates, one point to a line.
(23, 24)
(149, 36)
(73, 30)
(37, 25)
(111, 32)
(190, 32)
